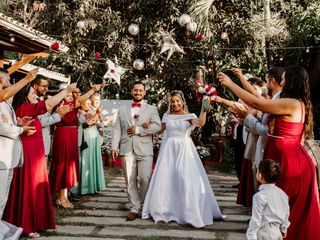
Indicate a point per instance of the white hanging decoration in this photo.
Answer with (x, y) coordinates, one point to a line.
(114, 71)
(224, 36)
(184, 19)
(192, 26)
(133, 29)
(170, 45)
(138, 64)
(81, 24)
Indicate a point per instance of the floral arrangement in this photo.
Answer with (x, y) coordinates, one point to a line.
(203, 152)
(205, 90)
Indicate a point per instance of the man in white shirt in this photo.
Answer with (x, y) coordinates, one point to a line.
(270, 206)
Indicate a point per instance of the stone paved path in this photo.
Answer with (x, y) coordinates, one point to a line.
(102, 216)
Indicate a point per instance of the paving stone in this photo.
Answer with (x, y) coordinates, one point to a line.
(117, 185)
(87, 230)
(115, 194)
(76, 238)
(110, 199)
(104, 205)
(112, 189)
(104, 213)
(183, 233)
(226, 198)
(109, 221)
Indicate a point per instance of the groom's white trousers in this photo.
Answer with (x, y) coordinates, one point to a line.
(137, 171)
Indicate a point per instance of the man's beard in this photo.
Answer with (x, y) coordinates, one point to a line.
(137, 100)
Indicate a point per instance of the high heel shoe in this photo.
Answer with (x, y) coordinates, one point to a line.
(63, 204)
(33, 235)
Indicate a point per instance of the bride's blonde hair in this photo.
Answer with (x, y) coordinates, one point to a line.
(180, 95)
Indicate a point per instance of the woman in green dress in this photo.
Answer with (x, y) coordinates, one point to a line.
(92, 177)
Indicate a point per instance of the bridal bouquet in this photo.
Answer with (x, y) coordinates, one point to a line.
(205, 91)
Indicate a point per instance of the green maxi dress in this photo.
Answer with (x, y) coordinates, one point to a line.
(92, 177)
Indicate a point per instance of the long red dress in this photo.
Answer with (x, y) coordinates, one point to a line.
(29, 204)
(64, 170)
(298, 179)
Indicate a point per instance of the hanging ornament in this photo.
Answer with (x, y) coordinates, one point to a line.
(192, 26)
(98, 54)
(81, 24)
(114, 71)
(224, 35)
(199, 37)
(133, 29)
(170, 45)
(12, 39)
(138, 64)
(55, 46)
(184, 19)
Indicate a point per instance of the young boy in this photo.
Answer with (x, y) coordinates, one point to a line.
(270, 207)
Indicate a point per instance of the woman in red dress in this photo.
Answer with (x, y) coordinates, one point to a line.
(64, 170)
(292, 124)
(29, 203)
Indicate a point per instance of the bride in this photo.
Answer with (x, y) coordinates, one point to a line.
(179, 189)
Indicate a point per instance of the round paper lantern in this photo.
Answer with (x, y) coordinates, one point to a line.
(133, 29)
(192, 26)
(138, 64)
(224, 35)
(81, 24)
(184, 19)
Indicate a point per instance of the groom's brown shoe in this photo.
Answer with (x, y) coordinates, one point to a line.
(132, 216)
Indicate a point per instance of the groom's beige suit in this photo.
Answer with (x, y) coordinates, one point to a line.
(136, 151)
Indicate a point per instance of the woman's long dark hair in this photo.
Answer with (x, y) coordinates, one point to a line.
(297, 86)
(21, 97)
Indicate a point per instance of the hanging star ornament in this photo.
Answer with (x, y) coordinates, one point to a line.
(170, 45)
(114, 71)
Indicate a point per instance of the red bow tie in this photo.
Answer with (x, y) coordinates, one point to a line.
(136, 105)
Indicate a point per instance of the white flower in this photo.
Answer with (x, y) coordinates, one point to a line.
(201, 89)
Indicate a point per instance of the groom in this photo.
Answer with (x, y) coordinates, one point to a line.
(136, 147)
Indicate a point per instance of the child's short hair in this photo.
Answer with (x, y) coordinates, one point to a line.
(270, 170)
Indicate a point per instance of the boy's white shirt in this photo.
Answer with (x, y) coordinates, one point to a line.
(270, 205)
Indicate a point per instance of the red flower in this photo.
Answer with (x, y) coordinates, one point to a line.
(135, 117)
(199, 37)
(98, 54)
(55, 46)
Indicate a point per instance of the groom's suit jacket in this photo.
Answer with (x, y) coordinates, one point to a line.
(140, 144)
(10, 143)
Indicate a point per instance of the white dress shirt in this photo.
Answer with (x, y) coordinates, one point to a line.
(135, 111)
(270, 205)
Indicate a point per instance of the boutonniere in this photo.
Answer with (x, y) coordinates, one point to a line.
(135, 117)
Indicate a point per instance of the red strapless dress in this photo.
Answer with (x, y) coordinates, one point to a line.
(298, 179)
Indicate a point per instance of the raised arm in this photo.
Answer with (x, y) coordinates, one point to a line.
(53, 101)
(13, 89)
(88, 94)
(246, 85)
(285, 106)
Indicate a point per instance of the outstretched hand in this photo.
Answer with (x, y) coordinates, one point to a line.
(224, 80)
(97, 87)
(237, 72)
(71, 87)
(32, 74)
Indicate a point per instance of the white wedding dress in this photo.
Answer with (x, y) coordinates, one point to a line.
(179, 189)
